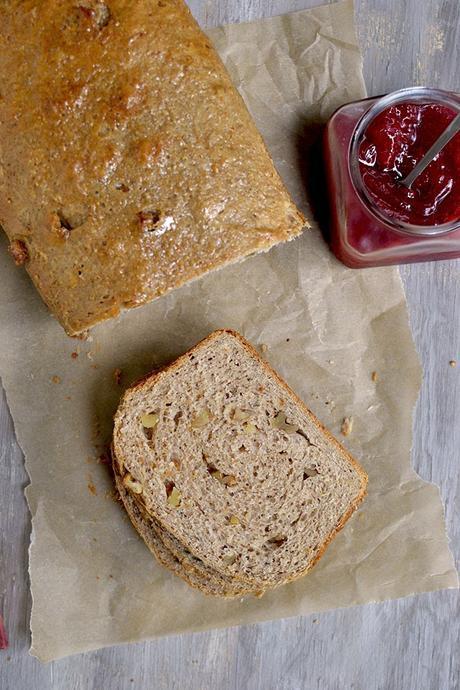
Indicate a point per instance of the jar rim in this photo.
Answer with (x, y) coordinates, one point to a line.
(417, 94)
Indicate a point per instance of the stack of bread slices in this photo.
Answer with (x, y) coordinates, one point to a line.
(230, 480)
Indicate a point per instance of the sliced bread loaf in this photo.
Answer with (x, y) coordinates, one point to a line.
(229, 462)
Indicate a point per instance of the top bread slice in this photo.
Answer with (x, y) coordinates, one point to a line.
(129, 163)
(228, 460)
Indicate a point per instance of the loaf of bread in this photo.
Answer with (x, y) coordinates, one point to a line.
(228, 477)
(129, 163)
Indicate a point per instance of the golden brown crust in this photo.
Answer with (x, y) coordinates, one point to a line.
(176, 364)
(126, 177)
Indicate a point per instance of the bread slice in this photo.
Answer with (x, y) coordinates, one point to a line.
(229, 461)
(178, 561)
(129, 162)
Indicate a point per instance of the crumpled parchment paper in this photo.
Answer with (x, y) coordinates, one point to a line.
(327, 328)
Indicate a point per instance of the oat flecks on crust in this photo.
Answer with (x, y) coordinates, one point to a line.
(360, 477)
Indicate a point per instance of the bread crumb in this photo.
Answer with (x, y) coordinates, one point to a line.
(92, 489)
(117, 374)
(263, 348)
(453, 363)
(374, 376)
(68, 397)
(74, 355)
(56, 379)
(347, 426)
(94, 366)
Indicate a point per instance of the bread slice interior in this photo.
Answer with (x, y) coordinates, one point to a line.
(231, 468)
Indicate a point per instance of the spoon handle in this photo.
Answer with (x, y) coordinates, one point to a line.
(450, 131)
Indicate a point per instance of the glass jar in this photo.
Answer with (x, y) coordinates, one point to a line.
(362, 234)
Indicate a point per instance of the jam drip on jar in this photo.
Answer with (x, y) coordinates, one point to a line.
(392, 145)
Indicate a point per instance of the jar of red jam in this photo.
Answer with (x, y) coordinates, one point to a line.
(370, 146)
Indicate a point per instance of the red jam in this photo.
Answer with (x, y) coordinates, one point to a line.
(395, 141)
(369, 146)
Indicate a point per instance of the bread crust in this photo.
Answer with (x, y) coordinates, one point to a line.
(252, 352)
(95, 150)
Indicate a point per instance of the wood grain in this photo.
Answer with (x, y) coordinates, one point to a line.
(411, 644)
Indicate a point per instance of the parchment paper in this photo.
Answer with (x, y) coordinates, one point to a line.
(327, 328)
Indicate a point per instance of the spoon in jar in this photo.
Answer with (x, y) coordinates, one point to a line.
(451, 130)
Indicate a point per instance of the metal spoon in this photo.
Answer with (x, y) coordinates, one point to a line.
(444, 138)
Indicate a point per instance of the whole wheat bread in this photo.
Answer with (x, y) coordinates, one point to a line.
(228, 461)
(129, 163)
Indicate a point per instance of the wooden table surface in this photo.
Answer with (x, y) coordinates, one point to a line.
(412, 643)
